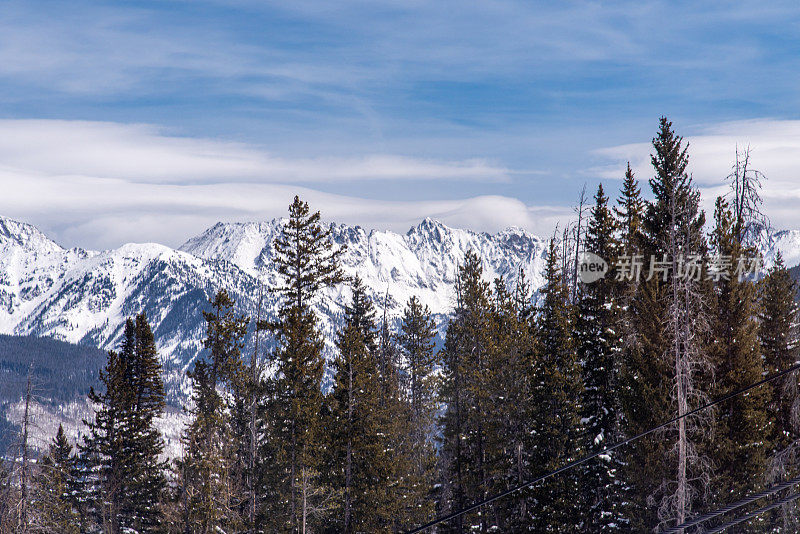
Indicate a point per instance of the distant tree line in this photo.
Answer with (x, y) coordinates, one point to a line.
(523, 384)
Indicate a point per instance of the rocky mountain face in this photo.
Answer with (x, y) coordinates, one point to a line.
(84, 296)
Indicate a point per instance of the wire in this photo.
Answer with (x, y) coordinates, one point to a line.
(754, 514)
(738, 504)
(610, 448)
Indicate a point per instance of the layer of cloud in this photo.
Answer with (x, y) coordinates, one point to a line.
(97, 212)
(145, 153)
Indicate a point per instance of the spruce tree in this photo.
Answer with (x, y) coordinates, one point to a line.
(307, 262)
(666, 370)
(599, 347)
(56, 490)
(629, 213)
(779, 341)
(209, 499)
(359, 465)
(557, 395)
(467, 375)
(123, 445)
(739, 450)
(420, 364)
(514, 352)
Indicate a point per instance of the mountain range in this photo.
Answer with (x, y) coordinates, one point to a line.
(83, 296)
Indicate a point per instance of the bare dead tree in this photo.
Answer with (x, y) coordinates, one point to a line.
(685, 326)
(579, 210)
(751, 226)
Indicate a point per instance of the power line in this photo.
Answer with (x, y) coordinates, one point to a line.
(754, 513)
(610, 448)
(731, 507)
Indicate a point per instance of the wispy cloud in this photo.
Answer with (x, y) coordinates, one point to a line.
(98, 184)
(145, 153)
(102, 213)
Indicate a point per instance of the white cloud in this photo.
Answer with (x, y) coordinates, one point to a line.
(145, 153)
(99, 184)
(102, 213)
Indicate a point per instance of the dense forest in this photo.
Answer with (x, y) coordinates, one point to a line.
(525, 383)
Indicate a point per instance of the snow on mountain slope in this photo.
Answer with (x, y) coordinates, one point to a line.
(84, 296)
(423, 262)
(788, 243)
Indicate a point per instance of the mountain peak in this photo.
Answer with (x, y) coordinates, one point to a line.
(24, 235)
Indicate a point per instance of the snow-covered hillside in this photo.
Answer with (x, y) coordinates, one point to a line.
(84, 296)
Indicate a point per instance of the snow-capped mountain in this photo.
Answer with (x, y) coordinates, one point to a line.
(84, 296)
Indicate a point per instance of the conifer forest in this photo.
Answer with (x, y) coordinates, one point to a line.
(662, 396)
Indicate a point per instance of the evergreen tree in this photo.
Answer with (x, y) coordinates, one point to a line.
(599, 351)
(468, 374)
(123, 445)
(55, 496)
(557, 396)
(420, 363)
(738, 449)
(665, 369)
(307, 262)
(514, 352)
(629, 213)
(209, 496)
(359, 464)
(779, 341)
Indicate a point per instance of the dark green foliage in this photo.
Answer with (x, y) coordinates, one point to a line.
(57, 490)
(629, 213)
(123, 446)
(665, 325)
(556, 394)
(514, 352)
(420, 362)
(738, 449)
(359, 466)
(472, 439)
(779, 342)
(599, 346)
(208, 495)
(307, 262)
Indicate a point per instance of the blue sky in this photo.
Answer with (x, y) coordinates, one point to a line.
(147, 121)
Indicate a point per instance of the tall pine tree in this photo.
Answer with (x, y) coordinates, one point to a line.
(123, 445)
(420, 365)
(307, 263)
(557, 396)
(209, 498)
(599, 345)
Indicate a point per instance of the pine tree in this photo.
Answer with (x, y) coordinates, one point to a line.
(665, 369)
(209, 496)
(557, 396)
(629, 213)
(123, 446)
(359, 464)
(467, 431)
(599, 350)
(420, 363)
(56, 490)
(307, 262)
(779, 342)
(513, 352)
(739, 449)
